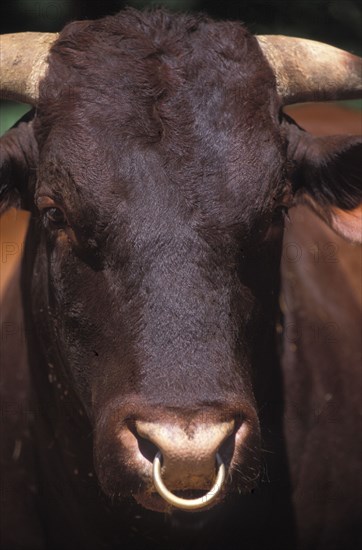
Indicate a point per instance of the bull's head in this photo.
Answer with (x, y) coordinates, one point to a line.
(157, 168)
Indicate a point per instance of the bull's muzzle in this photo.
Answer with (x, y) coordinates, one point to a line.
(182, 503)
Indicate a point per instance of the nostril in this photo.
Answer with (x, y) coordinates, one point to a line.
(147, 448)
(226, 450)
(227, 447)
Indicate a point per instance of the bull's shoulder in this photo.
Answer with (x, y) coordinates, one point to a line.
(321, 283)
(321, 303)
(14, 382)
(19, 488)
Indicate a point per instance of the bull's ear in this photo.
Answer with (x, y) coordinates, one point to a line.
(18, 160)
(327, 176)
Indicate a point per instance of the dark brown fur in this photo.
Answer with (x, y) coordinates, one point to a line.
(161, 139)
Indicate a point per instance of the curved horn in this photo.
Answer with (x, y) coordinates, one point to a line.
(306, 70)
(23, 64)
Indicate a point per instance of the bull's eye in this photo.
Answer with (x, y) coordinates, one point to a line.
(54, 216)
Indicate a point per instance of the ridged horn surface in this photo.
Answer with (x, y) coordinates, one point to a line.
(306, 70)
(23, 64)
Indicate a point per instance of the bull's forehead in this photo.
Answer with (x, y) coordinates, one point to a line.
(219, 184)
(183, 113)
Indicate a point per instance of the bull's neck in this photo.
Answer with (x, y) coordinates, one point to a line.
(61, 429)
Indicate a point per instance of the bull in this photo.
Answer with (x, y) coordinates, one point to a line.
(158, 167)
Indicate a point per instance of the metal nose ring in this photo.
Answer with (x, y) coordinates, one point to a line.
(187, 504)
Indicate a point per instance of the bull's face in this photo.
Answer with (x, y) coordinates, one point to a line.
(161, 270)
(159, 196)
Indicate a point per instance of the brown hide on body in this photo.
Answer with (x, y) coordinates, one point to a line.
(321, 303)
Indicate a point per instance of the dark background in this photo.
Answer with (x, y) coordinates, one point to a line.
(338, 22)
(334, 21)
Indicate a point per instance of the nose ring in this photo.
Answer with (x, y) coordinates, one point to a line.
(183, 503)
